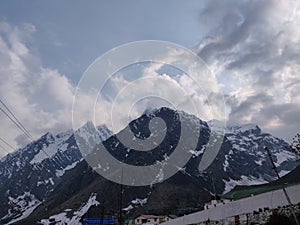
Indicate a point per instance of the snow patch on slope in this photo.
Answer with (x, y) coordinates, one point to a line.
(56, 144)
(24, 204)
(229, 185)
(283, 172)
(196, 153)
(283, 156)
(135, 203)
(61, 172)
(62, 218)
(26, 213)
(226, 163)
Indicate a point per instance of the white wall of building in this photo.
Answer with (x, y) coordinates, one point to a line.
(270, 200)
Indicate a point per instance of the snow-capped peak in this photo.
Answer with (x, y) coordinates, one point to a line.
(217, 125)
(51, 145)
(244, 128)
(149, 111)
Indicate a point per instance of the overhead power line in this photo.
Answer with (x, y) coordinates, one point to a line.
(19, 126)
(6, 143)
(4, 148)
(22, 128)
(16, 119)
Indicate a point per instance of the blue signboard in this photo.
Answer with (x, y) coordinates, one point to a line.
(99, 221)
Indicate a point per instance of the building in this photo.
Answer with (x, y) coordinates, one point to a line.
(215, 203)
(169, 217)
(149, 219)
(255, 209)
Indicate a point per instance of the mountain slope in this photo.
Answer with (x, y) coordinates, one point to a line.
(248, 154)
(241, 160)
(29, 175)
(289, 179)
(171, 192)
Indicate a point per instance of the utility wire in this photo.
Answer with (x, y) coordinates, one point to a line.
(4, 149)
(6, 107)
(19, 126)
(9, 145)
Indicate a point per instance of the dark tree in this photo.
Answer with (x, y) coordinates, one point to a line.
(277, 219)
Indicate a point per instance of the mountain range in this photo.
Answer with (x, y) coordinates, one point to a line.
(48, 180)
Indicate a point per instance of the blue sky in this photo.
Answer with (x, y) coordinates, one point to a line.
(251, 47)
(71, 34)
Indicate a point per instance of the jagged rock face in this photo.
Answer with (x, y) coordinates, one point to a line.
(241, 160)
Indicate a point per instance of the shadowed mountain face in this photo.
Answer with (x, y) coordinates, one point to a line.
(240, 161)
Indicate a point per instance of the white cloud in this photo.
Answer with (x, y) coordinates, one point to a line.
(40, 97)
(129, 92)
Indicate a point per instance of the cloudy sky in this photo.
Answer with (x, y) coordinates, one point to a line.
(252, 48)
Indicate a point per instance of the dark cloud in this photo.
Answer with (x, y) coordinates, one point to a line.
(21, 140)
(256, 45)
(240, 111)
(237, 20)
(287, 117)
